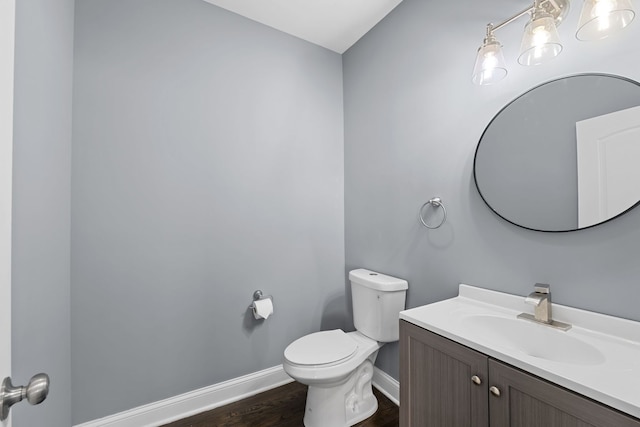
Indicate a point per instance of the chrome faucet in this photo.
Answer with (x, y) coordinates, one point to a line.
(540, 298)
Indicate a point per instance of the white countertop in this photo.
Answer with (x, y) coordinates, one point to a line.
(611, 375)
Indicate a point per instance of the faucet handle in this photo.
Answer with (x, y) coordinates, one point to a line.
(542, 288)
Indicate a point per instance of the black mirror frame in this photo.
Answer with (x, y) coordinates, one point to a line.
(475, 157)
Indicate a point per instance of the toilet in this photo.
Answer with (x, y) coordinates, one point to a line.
(338, 366)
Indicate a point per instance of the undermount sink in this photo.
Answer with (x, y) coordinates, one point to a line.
(534, 340)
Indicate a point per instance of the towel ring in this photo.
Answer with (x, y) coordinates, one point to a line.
(436, 202)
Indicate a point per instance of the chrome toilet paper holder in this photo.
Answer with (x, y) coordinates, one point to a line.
(257, 296)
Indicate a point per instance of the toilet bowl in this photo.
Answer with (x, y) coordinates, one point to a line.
(338, 366)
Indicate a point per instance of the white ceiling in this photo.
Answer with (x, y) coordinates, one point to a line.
(334, 24)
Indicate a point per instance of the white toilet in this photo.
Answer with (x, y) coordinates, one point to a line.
(338, 366)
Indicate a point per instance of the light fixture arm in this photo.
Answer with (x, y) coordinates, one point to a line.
(550, 6)
(491, 27)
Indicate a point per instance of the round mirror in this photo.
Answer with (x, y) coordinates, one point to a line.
(563, 156)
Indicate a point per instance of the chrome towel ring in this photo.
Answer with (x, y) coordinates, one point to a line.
(436, 202)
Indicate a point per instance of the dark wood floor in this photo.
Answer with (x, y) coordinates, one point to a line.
(281, 407)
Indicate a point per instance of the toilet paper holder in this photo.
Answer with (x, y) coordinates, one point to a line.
(257, 296)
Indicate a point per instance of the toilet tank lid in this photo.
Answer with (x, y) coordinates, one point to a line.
(377, 281)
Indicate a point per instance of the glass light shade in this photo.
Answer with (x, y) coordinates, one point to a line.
(540, 42)
(601, 18)
(490, 66)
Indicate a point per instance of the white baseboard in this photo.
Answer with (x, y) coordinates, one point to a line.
(194, 402)
(208, 398)
(387, 385)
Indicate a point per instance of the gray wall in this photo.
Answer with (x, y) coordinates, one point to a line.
(412, 122)
(42, 155)
(207, 163)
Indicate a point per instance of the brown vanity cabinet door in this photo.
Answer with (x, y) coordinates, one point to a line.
(528, 401)
(437, 387)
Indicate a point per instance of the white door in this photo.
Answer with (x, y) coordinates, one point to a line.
(608, 176)
(7, 25)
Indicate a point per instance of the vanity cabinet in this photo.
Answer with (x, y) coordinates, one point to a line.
(436, 388)
(445, 384)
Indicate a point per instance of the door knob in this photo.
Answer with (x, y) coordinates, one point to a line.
(476, 380)
(495, 391)
(35, 392)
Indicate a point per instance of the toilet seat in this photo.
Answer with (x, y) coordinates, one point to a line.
(321, 349)
(331, 372)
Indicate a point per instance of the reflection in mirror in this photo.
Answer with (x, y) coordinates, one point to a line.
(608, 174)
(563, 156)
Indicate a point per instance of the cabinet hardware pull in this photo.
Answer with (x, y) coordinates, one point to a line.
(495, 391)
(476, 380)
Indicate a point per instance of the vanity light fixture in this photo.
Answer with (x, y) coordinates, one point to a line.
(490, 66)
(601, 18)
(541, 42)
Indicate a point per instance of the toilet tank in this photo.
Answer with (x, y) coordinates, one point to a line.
(377, 302)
